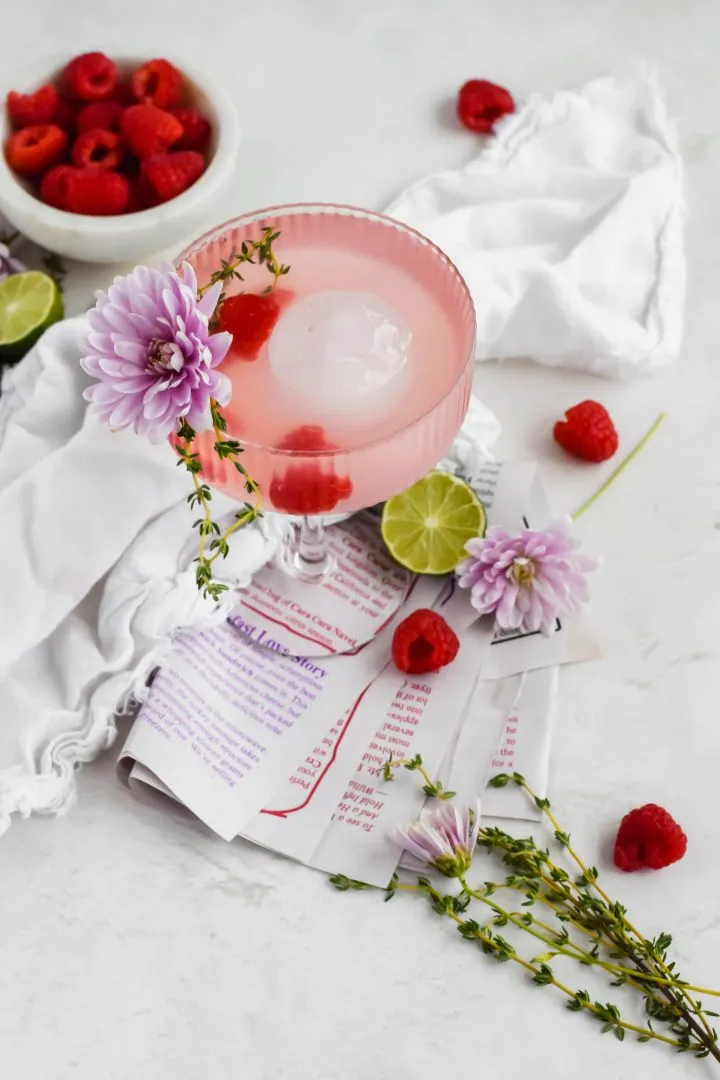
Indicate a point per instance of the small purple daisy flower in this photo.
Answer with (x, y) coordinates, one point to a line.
(444, 837)
(152, 353)
(528, 580)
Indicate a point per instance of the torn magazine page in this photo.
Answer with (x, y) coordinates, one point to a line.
(228, 719)
(295, 818)
(525, 745)
(507, 726)
(422, 720)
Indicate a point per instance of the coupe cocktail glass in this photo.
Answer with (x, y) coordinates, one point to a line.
(365, 379)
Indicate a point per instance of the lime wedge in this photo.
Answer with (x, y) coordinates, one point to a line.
(427, 527)
(29, 303)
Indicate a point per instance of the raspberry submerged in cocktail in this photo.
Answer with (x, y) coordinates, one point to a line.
(313, 486)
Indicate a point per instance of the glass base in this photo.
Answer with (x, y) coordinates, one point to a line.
(305, 554)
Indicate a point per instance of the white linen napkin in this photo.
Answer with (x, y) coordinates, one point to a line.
(96, 552)
(568, 227)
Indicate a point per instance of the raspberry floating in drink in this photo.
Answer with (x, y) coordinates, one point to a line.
(311, 486)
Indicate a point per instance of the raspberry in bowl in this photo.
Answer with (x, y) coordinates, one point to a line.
(111, 159)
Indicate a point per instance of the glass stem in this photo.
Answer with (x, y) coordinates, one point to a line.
(312, 558)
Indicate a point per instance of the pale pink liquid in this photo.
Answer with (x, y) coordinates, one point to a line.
(385, 444)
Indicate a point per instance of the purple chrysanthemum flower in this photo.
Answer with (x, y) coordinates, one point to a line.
(444, 837)
(152, 353)
(528, 580)
(8, 264)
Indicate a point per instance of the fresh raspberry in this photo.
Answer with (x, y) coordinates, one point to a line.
(157, 83)
(648, 837)
(424, 642)
(309, 488)
(32, 150)
(149, 130)
(139, 199)
(98, 149)
(100, 114)
(168, 175)
(587, 432)
(90, 77)
(55, 184)
(28, 110)
(142, 195)
(481, 103)
(92, 191)
(66, 113)
(123, 95)
(250, 319)
(196, 130)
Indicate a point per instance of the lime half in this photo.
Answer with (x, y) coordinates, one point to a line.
(29, 303)
(427, 527)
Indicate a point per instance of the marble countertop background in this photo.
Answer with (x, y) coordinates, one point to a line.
(134, 945)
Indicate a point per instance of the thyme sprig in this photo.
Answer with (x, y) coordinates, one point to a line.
(581, 900)
(576, 905)
(212, 541)
(433, 789)
(201, 497)
(259, 252)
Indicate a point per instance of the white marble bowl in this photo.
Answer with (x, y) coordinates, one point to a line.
(125, 237)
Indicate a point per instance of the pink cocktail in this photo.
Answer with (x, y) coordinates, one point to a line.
(366, 376)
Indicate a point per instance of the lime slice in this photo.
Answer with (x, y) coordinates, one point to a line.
(29, 303)
(427, 527)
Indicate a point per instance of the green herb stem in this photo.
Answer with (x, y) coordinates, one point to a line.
(630, 974)
(525, 921)
(621, 468)
(254, 251)
(581, 903)
(412, 765)
(227, 449)
(542, 974)
(650, 952)
(432, 788)
(207, 516)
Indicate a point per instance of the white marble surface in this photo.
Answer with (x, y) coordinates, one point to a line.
(133, 945)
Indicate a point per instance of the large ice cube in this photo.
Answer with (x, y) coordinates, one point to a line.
(341, 348)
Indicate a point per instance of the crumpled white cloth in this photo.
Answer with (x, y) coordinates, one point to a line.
(569, 229)
(96, 553)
